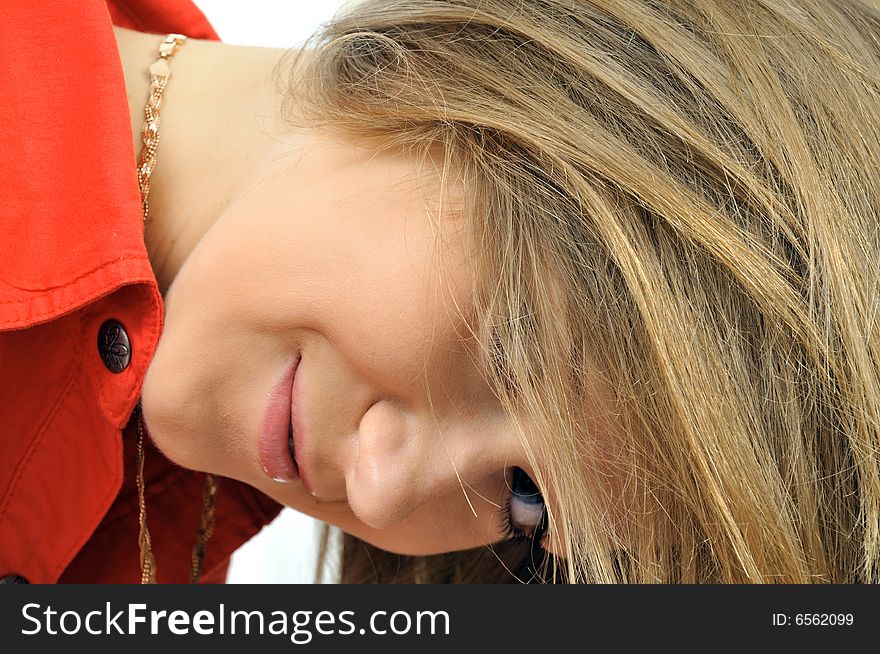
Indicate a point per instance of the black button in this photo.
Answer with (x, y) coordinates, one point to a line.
(114, 346)
(13, 579)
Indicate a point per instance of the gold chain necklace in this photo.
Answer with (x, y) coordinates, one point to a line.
(159, 74)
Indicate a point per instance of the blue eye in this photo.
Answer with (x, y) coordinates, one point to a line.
(524, 513)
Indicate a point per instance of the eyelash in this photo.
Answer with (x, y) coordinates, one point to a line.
(512, 532)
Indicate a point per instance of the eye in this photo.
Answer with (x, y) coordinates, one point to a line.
(524, 513)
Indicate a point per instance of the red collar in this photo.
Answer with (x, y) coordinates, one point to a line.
(70, 196)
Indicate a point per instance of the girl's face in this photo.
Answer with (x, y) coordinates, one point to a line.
(330, 264)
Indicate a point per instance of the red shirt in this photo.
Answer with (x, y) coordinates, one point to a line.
(72, 256)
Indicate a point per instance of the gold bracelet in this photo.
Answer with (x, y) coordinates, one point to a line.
(159, 74)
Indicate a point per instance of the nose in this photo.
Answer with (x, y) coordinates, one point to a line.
(405, 459)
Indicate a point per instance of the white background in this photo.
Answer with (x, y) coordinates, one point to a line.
(284, 551)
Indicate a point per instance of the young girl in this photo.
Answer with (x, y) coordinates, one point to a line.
(551, 290)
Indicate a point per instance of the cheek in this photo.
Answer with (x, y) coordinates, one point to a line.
(179, 376)
(174, 388)
(201, 391)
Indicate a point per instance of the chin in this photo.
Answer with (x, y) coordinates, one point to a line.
(168, 428)
(173, 445)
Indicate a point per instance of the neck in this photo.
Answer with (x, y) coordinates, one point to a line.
(217, 127)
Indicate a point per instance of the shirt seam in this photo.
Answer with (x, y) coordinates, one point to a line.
(45, 292)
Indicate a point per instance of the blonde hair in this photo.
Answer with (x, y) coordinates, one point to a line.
(677, 201)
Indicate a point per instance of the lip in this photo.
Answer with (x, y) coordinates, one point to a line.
(275, 457)
(296, 424)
